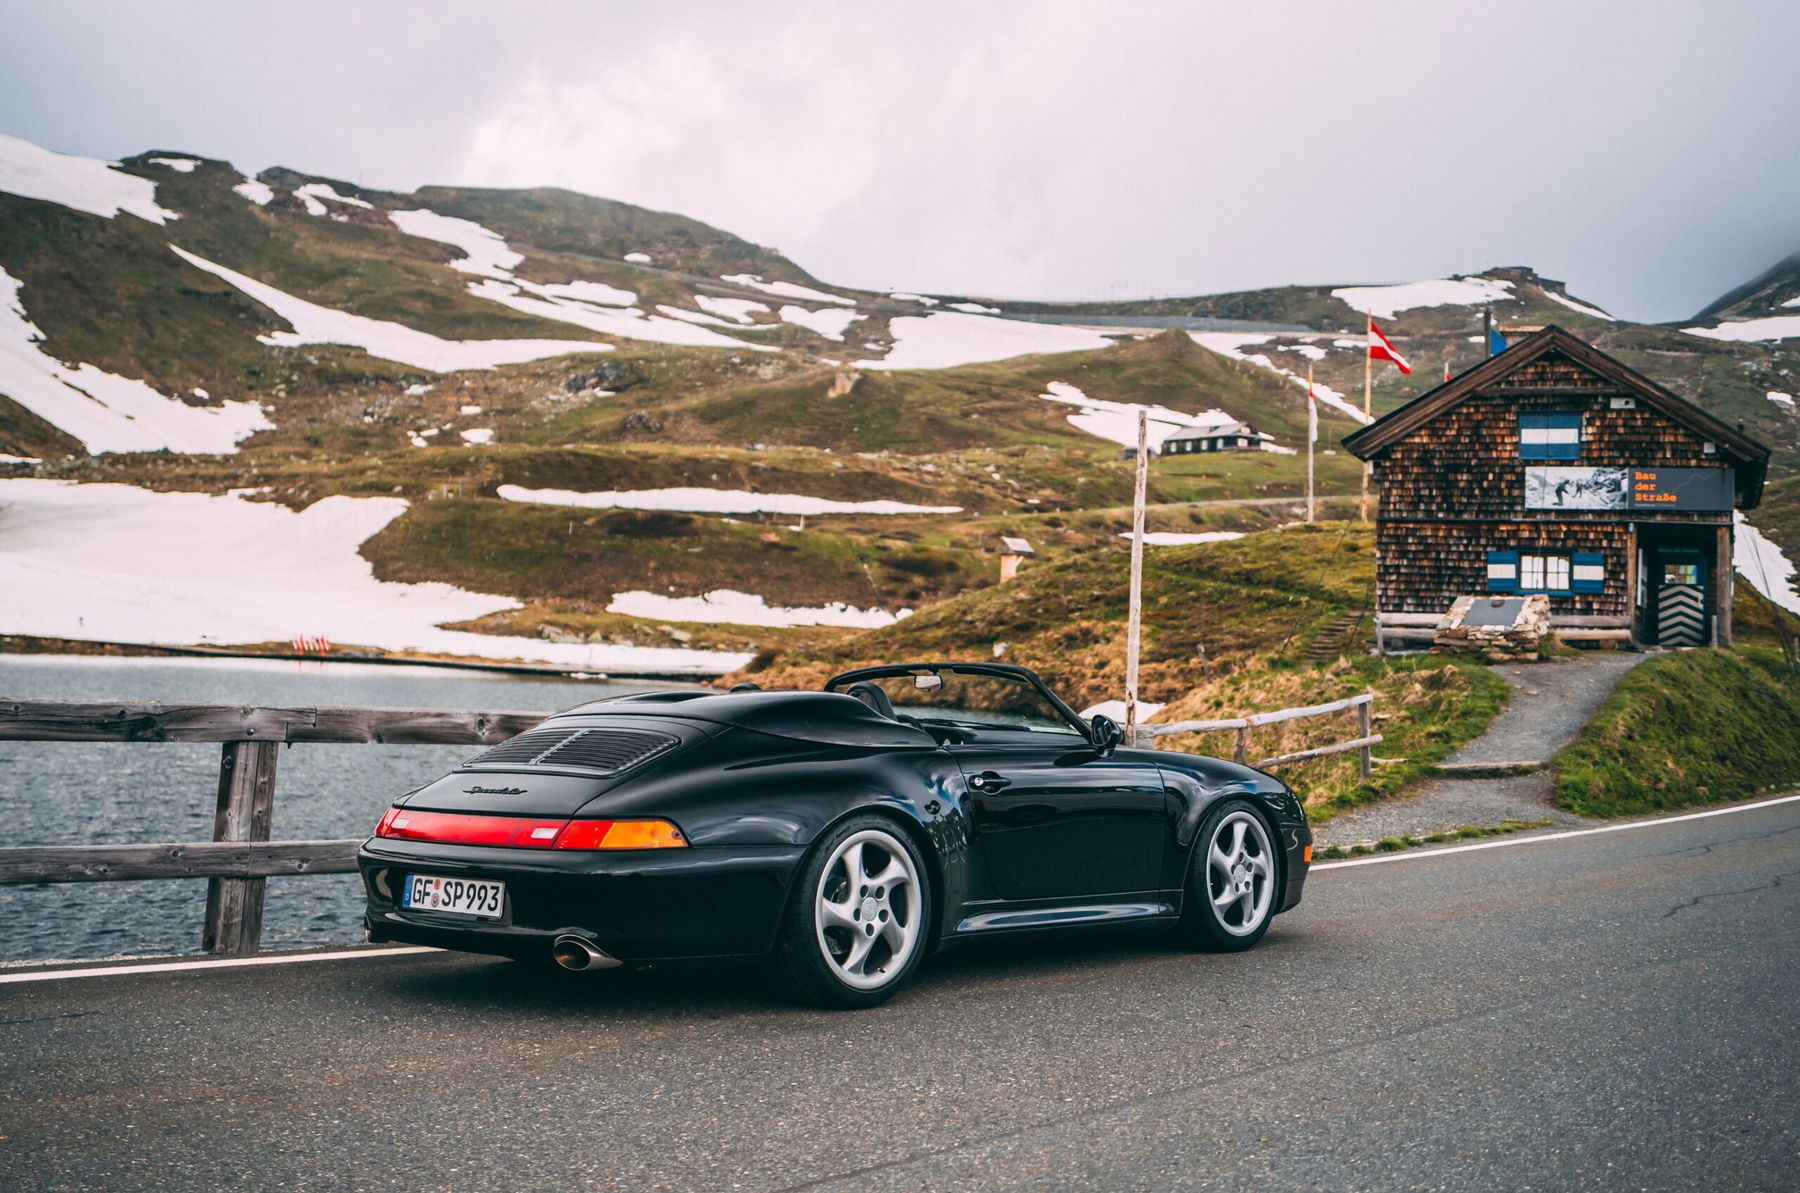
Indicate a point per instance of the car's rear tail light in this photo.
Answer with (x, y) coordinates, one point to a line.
(458, 828)
(527, 832)
(621, 834)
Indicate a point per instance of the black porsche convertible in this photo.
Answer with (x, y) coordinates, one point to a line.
(841, 835)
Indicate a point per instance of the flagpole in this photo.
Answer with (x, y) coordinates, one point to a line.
(1135, 612)
(1312, 437)
(1362, 508)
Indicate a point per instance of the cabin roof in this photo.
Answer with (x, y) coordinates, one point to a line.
(1371, 440)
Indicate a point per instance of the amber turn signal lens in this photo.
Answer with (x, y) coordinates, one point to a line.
(621, 834)
(1306, 854)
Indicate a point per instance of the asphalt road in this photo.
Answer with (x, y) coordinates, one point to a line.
(1604, 1012)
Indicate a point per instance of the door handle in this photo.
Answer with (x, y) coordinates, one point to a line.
(989, 780)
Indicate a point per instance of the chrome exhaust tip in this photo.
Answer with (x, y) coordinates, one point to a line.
(577, 954)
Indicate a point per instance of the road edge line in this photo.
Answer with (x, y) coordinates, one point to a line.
(1415, 855)
(113, 971)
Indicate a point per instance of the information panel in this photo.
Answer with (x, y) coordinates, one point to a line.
(1699, 489)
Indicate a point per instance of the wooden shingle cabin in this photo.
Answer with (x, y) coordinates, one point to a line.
(1553, 468)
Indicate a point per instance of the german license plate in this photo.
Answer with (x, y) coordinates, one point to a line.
(457, 896)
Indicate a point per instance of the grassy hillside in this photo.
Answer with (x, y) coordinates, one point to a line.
(1262, 596)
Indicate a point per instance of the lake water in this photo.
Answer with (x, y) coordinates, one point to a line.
(78, 793)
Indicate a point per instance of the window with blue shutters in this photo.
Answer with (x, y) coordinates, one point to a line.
(1503, 571)
(1587, 572)
(1550, 436)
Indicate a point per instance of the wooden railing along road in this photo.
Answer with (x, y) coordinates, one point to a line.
(1364, 740)
(241, 857)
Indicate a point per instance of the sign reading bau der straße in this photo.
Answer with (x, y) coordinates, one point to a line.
(1549, 487)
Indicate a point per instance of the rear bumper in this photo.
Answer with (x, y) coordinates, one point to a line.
(700, 903)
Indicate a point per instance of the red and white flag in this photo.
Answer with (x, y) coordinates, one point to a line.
(1380, 349)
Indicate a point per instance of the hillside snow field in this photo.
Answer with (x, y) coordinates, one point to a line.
(83, 183)
(713, 501)
(314, 324)
(106, 412)
(115, 563)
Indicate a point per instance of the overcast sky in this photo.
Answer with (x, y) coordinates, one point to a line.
(1648, 153)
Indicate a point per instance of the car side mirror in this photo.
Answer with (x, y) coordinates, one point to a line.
(1105, 733)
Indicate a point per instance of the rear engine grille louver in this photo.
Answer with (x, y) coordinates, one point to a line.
(600, 751)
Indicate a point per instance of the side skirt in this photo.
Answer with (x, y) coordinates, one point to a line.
(1058, 917)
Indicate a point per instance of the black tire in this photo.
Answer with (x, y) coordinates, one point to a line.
(852, 944)
(1231, 898)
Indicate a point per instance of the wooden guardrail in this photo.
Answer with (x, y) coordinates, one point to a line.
(240, 857)
(1365, 739)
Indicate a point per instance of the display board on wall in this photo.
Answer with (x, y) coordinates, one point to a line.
(1571, 487)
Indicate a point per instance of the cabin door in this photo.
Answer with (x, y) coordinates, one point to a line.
(1680, 580)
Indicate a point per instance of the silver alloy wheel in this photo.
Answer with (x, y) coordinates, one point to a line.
(866, 914)
(1240, 873)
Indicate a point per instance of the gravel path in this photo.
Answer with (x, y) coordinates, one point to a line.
(1550, 703)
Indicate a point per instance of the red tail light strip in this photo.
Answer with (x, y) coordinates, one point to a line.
(528, 832)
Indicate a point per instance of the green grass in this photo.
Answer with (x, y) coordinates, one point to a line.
(1687, 728)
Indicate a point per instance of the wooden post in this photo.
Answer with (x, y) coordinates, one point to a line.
(1135, 613)
(1312, 437)
(245, 811)
(1362, 508)
(1365, 725)
(1240, 749)
(1722, 581)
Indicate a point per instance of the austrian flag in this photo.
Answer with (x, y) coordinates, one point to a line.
(1380, 349)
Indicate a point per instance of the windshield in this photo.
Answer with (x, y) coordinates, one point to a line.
(988, 704)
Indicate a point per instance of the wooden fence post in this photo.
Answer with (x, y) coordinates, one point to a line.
(1365, 724)
(1241, 750)
(245, 811)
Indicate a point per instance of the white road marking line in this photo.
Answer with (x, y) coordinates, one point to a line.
(1579, 832)
(113, 971)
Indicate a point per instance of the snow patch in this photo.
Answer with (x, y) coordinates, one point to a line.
(729, 607)
(1781, 399)
(974, 308)
(106, 412)
(944, 340)
(918, 298)
(829, 323)
(1233, 343)
(1774, 327)
(1763, 564)
(82, 183)
(736, 309)
(624, 322)
(1162, 538)
(638, 258)
(181, 165)
(314, 324)
(122, 564)
(1309, 351)
(714, 501)
(484, 252)
(598, 292)
(1115, 709)
(1388, 301)
(477, 435)
(258, 193)
(784, 289)
(310, 194)
(1117, 421)
(1582, 307)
